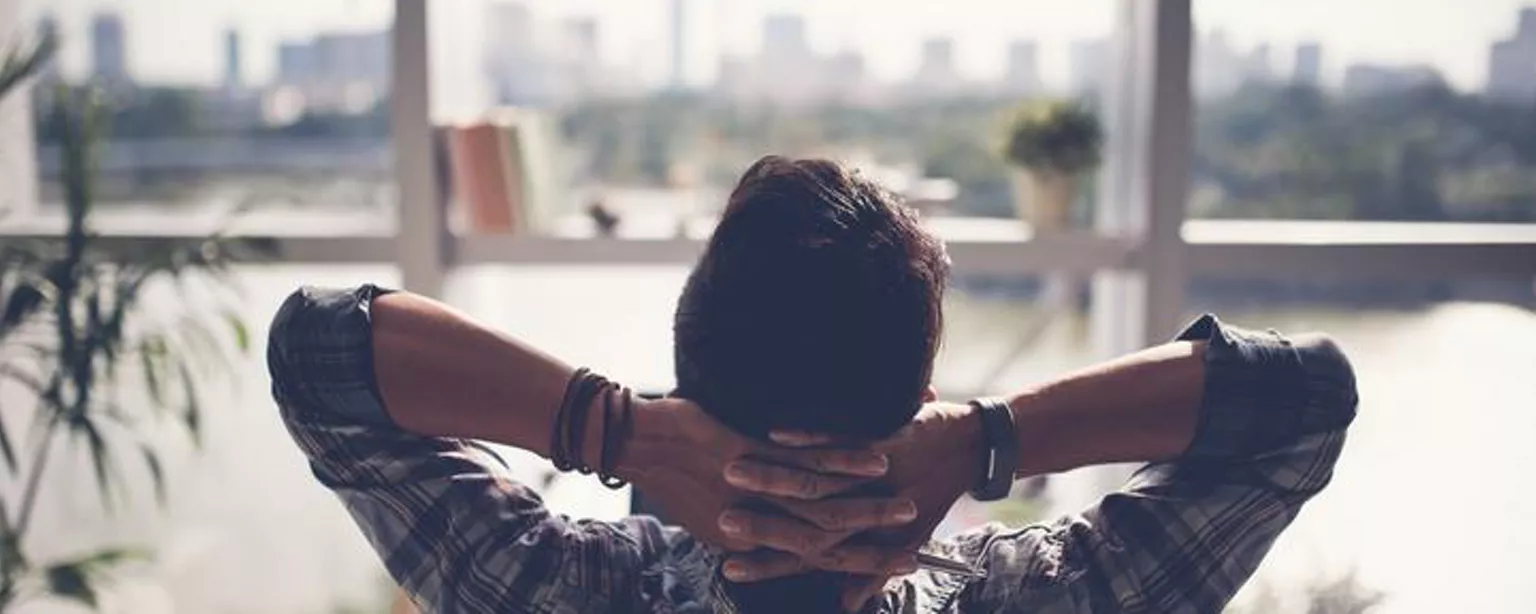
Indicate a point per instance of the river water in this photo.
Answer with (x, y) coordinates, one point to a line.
(1432, 503)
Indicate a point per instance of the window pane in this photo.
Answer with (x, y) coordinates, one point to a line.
(654, 107)
(214, 107)
(1368, 110)
(1442, 433)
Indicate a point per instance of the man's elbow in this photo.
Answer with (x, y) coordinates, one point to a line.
(285, 324)
(1330, 381)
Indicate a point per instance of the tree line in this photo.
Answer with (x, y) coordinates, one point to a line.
(1263, 152)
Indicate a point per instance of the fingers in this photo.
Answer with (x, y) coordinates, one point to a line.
(857, 462)
(861, 559)
(870, 561)
(777, 532)
(762, 565)
(853, 514)
(860, 589)
(764, 478)
(800, 439)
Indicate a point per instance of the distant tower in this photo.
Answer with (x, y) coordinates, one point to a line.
(1090, 62)
(1022, 76)
(936, 74)
(1309, 65)
(679, 48)
(232, 78)
(1512, 63)
(109, 52)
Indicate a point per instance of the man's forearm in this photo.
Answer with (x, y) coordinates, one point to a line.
(442, 373)
(1143, 407)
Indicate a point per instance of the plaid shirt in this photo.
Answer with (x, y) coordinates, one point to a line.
(460, 536)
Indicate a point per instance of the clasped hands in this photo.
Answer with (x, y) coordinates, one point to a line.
(799, 505)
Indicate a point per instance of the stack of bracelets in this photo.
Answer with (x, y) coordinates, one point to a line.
(567, 441)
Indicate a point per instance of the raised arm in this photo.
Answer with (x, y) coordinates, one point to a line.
(381, 391)
(1239, 429)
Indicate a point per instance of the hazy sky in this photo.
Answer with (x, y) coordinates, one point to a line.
(180, 40)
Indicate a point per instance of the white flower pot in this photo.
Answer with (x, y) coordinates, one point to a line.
(1043, 198)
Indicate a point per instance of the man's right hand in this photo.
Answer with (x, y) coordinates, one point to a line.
(934, 460)
(688, 464)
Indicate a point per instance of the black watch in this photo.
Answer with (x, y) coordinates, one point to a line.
(1000, 456)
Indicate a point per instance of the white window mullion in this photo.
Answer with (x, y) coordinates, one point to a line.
(422, 238)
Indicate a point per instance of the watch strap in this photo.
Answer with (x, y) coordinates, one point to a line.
(1000, 456)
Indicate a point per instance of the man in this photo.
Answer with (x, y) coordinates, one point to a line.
(803, 452)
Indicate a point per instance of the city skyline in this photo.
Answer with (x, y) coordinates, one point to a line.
(639, 31)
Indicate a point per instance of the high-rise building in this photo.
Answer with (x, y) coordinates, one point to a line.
(1022, 75)
(787, 72)
(109, 48)
(1218, 67)
(847, 78)
(344, 72)
(1512, 62)
(232, 78)
(1090, 63)
(936, 74)
(516, 70)
(1308, 69)
(295, 63)
(580, 70)
(1257, 67)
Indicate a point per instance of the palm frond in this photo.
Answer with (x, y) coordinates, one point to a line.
(23, 301)
(84, 426)
(71, 582)
(192, 416)
(80, 579)
(156, 472)
(7, 450)
(21, 63)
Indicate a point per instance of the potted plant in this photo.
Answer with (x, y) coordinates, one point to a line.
(75, 329)
(1053, 145)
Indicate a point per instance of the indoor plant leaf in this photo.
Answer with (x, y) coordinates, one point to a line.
(71, 581)
(23, 301)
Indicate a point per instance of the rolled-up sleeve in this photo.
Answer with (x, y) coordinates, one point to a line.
(1183, 536)
(449, 524)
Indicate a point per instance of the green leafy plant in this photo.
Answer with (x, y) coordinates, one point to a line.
(75, 328)
(1056, 136)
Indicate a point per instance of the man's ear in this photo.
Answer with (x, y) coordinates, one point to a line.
(930, 394)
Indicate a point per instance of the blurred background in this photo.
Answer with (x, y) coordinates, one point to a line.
(1365, 168)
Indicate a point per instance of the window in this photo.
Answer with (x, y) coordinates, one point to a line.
(275, 109)
(650, 108)
(1422, 111)
(1444, 417)
(653, 108)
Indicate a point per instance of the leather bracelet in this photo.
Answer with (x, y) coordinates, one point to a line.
(568, 439)
(1000, 457)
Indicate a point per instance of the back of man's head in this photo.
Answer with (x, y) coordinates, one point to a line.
(817, 306)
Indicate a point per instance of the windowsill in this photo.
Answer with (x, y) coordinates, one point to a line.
(976, 245)
(1335, 232)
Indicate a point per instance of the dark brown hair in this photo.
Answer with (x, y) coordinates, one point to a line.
(816, 306)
